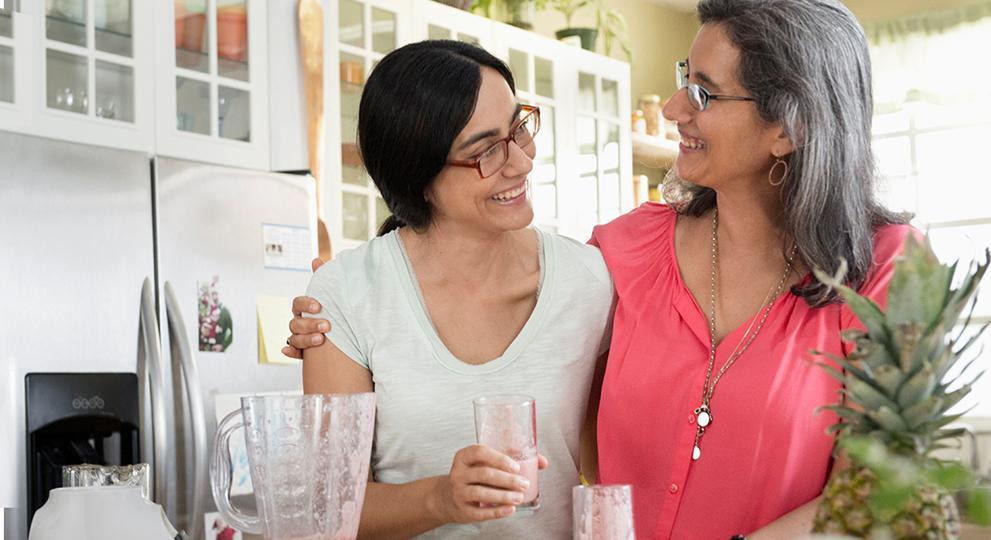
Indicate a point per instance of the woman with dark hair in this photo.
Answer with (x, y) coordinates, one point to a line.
(458, 298)
(709, 401)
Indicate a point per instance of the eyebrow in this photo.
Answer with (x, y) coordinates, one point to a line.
(492, 132)
(706, 80)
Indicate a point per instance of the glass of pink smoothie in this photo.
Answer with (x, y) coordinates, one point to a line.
(603, 512)
(508, 424)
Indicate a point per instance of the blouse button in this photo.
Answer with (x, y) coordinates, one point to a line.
(674, 488)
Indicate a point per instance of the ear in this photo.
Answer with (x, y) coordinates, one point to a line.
(781, 143)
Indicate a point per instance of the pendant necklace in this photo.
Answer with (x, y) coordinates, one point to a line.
(703, 413)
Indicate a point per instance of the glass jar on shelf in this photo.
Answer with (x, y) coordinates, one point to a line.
(650, 104)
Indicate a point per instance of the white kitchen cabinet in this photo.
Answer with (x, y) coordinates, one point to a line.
(583, 170)
(358, 34)
(433, 20)
(78, 70)
(15, 78)
(211, 69)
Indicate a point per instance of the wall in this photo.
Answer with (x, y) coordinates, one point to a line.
(659, 36)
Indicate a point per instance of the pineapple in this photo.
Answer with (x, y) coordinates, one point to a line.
(897, 392)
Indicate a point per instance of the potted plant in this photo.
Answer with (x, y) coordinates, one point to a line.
(518, 13)
(568, 9)
(900, 389)
(609, 23)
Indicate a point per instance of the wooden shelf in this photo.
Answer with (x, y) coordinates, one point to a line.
(654, 151)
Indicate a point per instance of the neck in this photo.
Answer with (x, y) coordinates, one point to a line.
(751, 220)
(470, 256)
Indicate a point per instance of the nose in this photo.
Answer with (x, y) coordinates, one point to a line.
(678, 108)
(518, 163)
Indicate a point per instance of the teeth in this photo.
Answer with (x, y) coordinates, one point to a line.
(691, 142)
(511, 194)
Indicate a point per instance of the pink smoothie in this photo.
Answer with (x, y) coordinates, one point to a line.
(528, 470)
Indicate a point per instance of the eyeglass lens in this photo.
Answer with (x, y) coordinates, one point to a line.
(493, 159)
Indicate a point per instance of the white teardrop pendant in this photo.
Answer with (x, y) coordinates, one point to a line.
(696, 453)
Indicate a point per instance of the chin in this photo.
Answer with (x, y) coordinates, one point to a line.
(519, 218)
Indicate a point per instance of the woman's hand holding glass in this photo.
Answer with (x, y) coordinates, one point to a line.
(483, 484)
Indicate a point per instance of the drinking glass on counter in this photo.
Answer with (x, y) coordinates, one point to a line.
(87, 475)
(602, 512)
(508, 424)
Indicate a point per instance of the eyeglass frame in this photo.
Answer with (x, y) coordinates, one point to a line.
(704, 96)
(527, 111)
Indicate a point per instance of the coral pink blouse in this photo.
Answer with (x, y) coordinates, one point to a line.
(766, 451)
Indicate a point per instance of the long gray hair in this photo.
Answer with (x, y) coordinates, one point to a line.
(807, 65)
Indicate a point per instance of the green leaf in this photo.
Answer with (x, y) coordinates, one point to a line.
(922, 412)
(865, 309)
(918, 387)
(890, 378)
(918, 288)
(867, 397)
(950, 476)
(906, 338)
(887, 419)
(979, 506)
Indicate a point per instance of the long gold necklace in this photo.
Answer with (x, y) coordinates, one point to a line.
(703, 413)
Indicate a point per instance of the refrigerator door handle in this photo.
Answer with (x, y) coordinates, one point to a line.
(194, 402)
(152, 381)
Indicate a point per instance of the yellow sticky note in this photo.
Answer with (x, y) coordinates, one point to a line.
(274, 315)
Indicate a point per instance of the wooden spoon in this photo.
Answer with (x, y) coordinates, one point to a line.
(310, 14)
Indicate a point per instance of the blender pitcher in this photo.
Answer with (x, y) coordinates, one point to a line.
(308, 457)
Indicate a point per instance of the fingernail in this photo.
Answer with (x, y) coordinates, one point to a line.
(314, 308)
(517, 498)
(508, 511)
(522, 482)
(515, 466)
(316, 340)
(323, 327)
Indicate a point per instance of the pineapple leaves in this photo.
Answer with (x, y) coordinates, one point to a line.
(915, 389)
(918, 270)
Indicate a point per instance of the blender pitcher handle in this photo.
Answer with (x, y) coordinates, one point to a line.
(220, 477)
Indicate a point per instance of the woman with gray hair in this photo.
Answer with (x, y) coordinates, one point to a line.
(774, 178)
(708, 402)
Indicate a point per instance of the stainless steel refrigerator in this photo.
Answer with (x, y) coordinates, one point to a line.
(116, 261)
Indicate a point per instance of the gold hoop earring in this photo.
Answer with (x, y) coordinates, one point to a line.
(784, 174)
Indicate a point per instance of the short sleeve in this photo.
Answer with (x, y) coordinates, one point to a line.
(607, 332)
(329, 287)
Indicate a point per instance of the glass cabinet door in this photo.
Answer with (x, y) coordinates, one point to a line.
(365, 32)
(212, 68)
(534, 76)
(7, 62)
(600, 193)
(435, 20)
(89, 59)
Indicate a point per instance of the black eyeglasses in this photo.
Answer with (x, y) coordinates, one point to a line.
(697, 95)
(495, 157)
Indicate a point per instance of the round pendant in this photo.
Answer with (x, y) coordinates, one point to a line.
(704, 419)
(696, 453)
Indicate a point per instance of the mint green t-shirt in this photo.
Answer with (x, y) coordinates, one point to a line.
(424, 394)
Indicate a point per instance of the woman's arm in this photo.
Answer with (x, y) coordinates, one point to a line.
(798, 522)
(589, 443)
(478, 474)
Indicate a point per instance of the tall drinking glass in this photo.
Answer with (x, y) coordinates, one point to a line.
(602, 512)
(508, 424)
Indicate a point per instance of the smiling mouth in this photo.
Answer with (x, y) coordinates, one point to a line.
(510, 194)
(692, 143)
